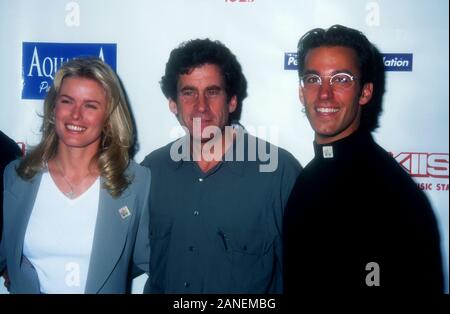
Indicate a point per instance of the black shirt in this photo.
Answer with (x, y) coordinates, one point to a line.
(9, 151)
(354, 205)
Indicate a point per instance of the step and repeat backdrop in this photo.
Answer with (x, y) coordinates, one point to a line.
(135, 37)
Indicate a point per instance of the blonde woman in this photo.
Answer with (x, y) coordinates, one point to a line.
(76, 207)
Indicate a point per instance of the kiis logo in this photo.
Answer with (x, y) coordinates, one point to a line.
(432, 165)
(41, 61)
(398, 61)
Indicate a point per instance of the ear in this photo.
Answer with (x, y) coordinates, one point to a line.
(173, 106)
(232, 104)
(300, 95)
(366, 94)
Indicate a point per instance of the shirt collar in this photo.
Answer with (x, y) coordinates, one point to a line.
(229, 160)
(348, 147)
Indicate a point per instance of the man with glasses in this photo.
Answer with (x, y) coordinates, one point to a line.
(355, 220)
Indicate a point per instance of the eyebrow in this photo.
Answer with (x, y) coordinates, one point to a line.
(310, 72)
(188, 87)
(64, 95)
(85, 100)
(332, 73)
(214, 87)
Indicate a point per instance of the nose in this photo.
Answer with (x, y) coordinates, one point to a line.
(76, 112)
(202, 104)
(325, 90)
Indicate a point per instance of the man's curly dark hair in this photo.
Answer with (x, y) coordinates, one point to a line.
(197, 52)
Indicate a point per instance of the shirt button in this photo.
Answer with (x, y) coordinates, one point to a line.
(186, 284)
(200, 179)
(196, 212)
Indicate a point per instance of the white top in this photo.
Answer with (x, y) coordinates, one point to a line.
(59, 236)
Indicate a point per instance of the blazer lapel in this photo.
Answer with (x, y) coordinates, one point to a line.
(25, 192)
(110, 236)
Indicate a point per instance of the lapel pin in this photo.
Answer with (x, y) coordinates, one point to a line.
(124, 212)
(327, 151)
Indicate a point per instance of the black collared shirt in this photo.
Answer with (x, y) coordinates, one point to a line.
(220, 231)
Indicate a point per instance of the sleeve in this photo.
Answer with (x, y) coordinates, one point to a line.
(141, 254)
(290, 168)
(291, 171)
(416, 258)
(423, 265)
(7, 179)
(2, 257)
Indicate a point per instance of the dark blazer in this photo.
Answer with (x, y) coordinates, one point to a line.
(118, 241)
(10, 151)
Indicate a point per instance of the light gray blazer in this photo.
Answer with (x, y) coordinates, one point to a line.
(119, 245)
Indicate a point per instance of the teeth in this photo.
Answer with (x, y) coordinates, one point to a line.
(75, 128)
(327, 110)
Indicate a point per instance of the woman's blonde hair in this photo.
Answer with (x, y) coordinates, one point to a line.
(117, 134)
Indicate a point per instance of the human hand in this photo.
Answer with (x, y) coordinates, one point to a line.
(5, 276)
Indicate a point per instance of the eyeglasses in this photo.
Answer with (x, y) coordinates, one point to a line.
(338, 81)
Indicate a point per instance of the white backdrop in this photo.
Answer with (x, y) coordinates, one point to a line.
(414, 125)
